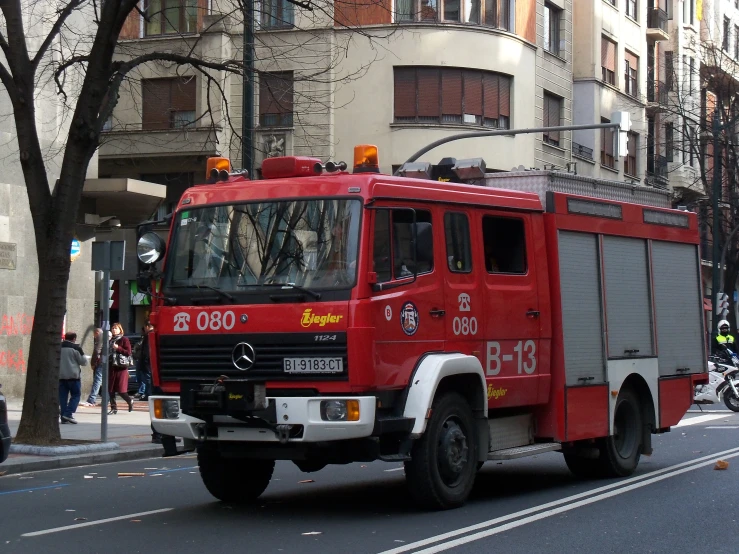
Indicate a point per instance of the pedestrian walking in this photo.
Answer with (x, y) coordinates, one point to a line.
(97, 367)
(118, 360)
(70, 374)
(143, 364)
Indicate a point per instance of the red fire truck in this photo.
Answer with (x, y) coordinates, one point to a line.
(327, 317)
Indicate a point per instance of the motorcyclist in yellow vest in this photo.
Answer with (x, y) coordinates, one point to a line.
(724, 339)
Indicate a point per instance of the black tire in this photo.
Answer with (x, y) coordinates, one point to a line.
(731, 401)
(443, 464)
(234, 480)
(619, 453)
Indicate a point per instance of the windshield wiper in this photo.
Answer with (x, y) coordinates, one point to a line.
(209, 287)
(288, 286)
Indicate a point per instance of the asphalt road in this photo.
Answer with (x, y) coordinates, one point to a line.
(676, 502)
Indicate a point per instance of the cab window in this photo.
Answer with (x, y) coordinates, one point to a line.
(457, 234)
(393, 244)
(505, 245)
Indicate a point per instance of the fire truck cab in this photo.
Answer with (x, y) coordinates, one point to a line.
(328, 317)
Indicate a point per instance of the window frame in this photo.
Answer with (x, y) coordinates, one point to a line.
(608, 74)
(182, 6)
(670, 141)
(284, 118)
(606, 138)
(395, 280)
(488, 269)
(727, 34)
(631, 74)
(466, 245)
(630, 158)
(284, 18)
(552, 28)
(149, 124)
(503, 18)
(551, 101)
(634, 9)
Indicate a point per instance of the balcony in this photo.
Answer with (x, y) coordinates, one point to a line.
(656, 95)
(134, 142)
(657, 24)
(582, 151)
(657, 172)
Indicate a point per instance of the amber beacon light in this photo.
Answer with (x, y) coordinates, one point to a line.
(366, 159)
(215, 167)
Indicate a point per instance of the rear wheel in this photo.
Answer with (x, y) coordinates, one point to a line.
(731, 401)
(618, 454)
(443, 462)
(234, 480)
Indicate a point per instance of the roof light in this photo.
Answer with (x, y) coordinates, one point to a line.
(366, 159)
(472, 168)
(290, 166)
(416, 170)
(218, 164)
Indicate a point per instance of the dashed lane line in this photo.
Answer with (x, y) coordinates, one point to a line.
(96, 522)
(700, 419)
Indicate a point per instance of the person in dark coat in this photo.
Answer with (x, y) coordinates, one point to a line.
(118, 374)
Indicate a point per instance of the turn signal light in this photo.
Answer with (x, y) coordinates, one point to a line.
(366, 159)
(216, 165)
(352, 410)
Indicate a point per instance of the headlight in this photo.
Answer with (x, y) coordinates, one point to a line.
(166, 408)
(340, 410)
(150, 248)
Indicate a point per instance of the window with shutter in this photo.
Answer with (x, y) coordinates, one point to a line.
(168, 103)
(669, 70)
(630, 159)
(458, 96)
(669, 141)
(276, 99)
(608, 61)
(552, 118)
(631, 65)
(606, 147)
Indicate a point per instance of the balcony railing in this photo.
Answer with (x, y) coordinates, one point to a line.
(657, 171)
(582, 151)
(657, 19)
(657, 92)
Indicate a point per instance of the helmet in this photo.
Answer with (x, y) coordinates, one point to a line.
(723, 323)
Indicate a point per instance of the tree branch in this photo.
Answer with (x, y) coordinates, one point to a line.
(55, 29)
(63, 67)
(232, 66)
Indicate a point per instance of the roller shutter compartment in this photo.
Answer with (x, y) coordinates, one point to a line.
(581, 308)
(678, 306)
(628, 302)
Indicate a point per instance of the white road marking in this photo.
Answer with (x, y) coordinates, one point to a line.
(395, 469)
(549, 513)
(700, 419)
(90, 523)
(727, 412)
(692, 464)
(722, 427)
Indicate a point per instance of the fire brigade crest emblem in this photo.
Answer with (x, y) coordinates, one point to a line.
(409, 318)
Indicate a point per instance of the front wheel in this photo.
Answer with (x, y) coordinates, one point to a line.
(234, 480)
(443, 462)
(621, 451)
(731, 401)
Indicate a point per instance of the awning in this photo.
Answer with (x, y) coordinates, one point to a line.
(129, 200)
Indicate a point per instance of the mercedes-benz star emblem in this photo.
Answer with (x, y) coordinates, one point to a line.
(243, 356)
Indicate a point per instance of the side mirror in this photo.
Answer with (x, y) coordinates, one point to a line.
(150, 248)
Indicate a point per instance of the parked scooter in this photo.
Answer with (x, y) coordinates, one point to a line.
(723, 381)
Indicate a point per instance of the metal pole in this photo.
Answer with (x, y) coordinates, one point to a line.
(716, 278)
(247, 123)
(723, 257)
(506, 132)
(105, 285)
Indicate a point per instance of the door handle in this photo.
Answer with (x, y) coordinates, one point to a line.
(437, 313)
(532, 313)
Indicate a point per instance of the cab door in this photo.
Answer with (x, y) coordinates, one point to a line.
(408, 311)
(463, 293)
(512, 323)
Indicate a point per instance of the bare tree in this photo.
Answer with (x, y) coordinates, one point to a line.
(69, 51)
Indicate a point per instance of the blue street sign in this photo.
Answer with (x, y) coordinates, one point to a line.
(76, 249)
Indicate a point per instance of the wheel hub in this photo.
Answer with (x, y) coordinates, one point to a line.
(453, 452)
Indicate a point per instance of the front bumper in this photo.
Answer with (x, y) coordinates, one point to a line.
(302, 414)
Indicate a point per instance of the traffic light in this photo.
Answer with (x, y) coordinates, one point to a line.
(722, 302)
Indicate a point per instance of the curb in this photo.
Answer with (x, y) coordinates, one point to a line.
(33, 450)
(10, 467)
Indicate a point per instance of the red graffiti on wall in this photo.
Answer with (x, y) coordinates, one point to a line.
(14, 361)
(21, 324)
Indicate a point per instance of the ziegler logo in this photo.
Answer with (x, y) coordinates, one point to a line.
(496, 393)
(310, 318)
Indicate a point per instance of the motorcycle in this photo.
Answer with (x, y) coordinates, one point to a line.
(723, 382)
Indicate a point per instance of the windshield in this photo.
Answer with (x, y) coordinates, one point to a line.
(308, 243)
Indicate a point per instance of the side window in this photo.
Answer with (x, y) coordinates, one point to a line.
(505, 245)
(457, 233)
(393, 244)
(383, 264)
(403, 263)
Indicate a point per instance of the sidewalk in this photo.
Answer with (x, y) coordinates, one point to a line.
(131, 431)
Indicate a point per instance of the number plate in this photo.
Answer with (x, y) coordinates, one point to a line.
(313, 365)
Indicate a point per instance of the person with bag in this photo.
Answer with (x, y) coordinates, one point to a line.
(119, 359)
(70, 375)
